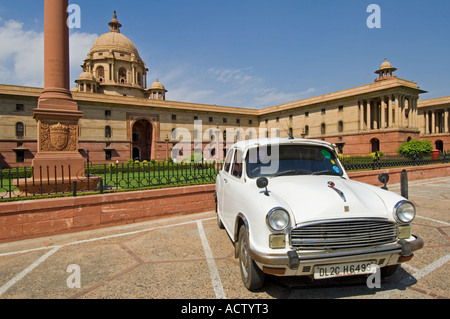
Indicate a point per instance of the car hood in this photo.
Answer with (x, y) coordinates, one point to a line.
(312, 198)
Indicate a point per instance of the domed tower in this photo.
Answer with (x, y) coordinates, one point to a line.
(87, 83)
(157, 91)
(115, 65)
(385, 71)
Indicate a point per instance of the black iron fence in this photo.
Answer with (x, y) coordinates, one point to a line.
(26, 182)
(355, 163)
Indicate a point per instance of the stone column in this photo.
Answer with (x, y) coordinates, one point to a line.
(427, 122)
(390, 122)
(369, 116)
(416, 112)
(446, 117)
(402, 111)
(361, 115)
(383, 113)
(57, 113)
(433, 122)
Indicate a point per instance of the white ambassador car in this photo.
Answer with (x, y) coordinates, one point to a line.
(291, 210)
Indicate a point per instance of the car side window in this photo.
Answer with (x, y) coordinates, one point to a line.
(236, 169)
(228, 159)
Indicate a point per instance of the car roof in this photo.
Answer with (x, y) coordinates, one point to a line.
(267, 141)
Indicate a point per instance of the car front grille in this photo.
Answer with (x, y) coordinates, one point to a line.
(342, 234)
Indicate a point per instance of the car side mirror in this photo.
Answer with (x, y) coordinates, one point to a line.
(384, 178)
(262, 182)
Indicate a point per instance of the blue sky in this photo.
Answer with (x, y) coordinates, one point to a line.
(247, 53)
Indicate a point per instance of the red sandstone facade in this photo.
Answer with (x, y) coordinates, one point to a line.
(118, 118)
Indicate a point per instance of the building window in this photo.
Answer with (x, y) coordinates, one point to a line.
(323, 111)
(306, 114)
(107, 113)
(341, 108)
(122, 76)
(340, 127)
(195, 118)
(225, 120)
(108, 155)
(211, 120)
(20, 130)
(100, 73)
(20, 107)
(278, 119)
(135, 135)
(20, 156)
(291, 133)
(323, 129)
(174, 117)
(250, 122)
(238, 121)
(108, 132)
(306, 130)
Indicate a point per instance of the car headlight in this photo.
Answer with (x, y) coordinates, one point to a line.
(278, 219)
(405, 212)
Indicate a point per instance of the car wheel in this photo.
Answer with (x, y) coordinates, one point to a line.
(388, 270)
(252, 276)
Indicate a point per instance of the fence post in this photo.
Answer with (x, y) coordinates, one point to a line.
(404, 184)
(101, 185)
(75, 189)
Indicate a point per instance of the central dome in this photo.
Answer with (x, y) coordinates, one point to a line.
(114, 40)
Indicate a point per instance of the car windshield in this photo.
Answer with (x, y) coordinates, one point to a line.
(292, 160)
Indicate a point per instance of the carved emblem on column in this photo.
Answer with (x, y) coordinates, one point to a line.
(58, 137)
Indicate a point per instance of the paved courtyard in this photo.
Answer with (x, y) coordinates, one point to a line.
(189, 257)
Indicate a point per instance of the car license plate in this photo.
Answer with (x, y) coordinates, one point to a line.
(340, 270)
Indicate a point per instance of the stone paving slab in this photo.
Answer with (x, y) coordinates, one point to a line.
(189, 257)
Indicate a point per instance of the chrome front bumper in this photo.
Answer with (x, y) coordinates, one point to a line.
(294, 259)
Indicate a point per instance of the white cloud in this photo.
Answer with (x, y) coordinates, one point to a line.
(80, 44)
(22, 54)
(238, 87)
(22, 63)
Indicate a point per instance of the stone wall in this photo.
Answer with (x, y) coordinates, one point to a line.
(28, 219)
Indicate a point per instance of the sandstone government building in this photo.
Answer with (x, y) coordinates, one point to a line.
(124, 118)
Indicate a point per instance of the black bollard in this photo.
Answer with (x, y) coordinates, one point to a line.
(404, 184)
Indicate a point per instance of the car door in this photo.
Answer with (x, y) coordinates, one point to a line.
(232, 190)
(222, 182)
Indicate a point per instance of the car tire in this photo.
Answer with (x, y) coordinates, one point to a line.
(219, 222)
(388, 271)
(252, 275)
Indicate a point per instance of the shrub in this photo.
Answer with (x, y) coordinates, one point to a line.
(415, 149)
(380, 154)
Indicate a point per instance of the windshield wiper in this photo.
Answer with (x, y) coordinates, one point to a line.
(327, 172)
(291, 172)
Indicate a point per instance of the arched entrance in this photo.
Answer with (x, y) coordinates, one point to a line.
(142, 140)
(375, 145)
(439, 145)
